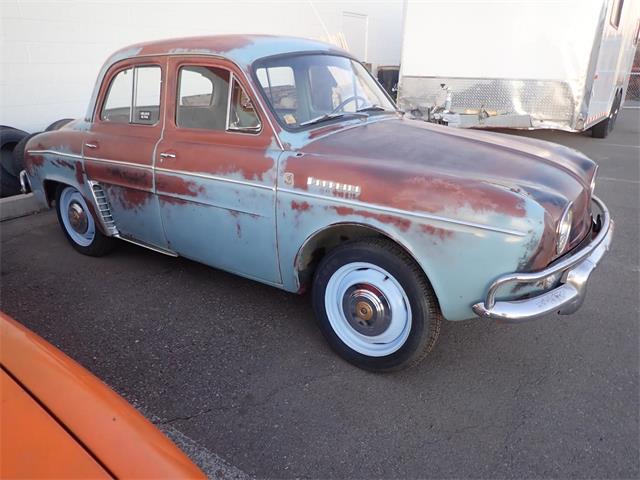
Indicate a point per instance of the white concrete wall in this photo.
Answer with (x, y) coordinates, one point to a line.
(51, 51)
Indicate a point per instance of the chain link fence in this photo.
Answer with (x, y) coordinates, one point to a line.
(632, 100)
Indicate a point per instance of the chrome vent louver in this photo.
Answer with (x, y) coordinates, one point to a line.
(104, 209)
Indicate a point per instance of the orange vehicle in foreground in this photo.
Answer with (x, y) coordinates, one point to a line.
(57, 420)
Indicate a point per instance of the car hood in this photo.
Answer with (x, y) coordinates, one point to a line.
(540, 168)
(551, 174)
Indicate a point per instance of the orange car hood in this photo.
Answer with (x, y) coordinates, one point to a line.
(68, 423)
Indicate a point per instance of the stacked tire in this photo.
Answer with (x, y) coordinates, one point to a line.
(13, 142)
(9, 170)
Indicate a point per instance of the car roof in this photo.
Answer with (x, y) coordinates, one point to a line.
(243, 50)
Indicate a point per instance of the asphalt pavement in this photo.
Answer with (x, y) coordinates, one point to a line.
(238, 374)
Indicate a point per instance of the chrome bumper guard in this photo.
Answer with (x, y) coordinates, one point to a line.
(565, 298)
(25, 186)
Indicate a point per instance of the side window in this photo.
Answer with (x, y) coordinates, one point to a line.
(117, 106)
(242, 114)
(203, 95)
(139, 88)
(146, 105)
(616, 13)
(280, 85)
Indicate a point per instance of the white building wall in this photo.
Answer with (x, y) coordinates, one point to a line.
(51, 51)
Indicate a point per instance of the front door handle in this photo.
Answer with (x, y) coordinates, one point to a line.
(168, 155)
(91, 145)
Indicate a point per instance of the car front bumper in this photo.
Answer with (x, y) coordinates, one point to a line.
(573, 270)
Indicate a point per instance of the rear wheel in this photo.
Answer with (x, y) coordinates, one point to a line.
(375, 306)
(78, 223)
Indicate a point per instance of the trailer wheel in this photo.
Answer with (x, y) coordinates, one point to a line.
(605, 127)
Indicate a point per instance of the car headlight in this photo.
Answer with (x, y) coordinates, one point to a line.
(593, 181)
(564, 228)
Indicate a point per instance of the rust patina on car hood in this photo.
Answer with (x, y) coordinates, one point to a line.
(451, 167)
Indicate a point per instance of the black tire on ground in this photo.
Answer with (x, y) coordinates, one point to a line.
(605, 127)
(425, 311)
(100, 245)
(9, 138)
(17, 157)
(9, 185)
(6, 130)
(58, 124)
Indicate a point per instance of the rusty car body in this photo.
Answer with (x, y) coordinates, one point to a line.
(60, 421)
(497, 226)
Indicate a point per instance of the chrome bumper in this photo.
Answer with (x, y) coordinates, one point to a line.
(25, 185)
(564, 299)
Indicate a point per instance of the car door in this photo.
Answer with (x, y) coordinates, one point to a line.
(120, 145)
(216, 170)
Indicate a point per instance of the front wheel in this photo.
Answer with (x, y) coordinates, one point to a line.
(78, 223)
(375, 306)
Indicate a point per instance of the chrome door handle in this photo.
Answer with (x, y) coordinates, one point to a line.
(91, 145)
(168, 155)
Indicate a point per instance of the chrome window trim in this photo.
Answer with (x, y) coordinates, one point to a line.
(397, 211)
(134, 90)
(246, 131)
(100, 79)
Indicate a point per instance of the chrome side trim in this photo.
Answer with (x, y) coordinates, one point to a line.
(566, 298)
(214, 177)
(118, 162)
(397, 211)
(170, 253)
(54, 152)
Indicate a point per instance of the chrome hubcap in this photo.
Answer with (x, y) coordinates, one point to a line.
(78, 218)
(366, 309)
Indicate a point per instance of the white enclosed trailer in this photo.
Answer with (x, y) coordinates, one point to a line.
(560, 64)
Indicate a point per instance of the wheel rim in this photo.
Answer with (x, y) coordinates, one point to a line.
(76, 217)
(368, 309)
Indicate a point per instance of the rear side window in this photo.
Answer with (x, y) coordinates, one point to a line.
(134, 96)
(146, 95)
(203, 94)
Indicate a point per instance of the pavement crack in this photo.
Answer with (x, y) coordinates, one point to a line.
(183, 418)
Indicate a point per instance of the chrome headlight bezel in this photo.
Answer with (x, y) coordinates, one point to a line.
(592, 187)
(563, 230)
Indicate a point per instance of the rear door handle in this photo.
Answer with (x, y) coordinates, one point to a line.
(168, 155)
(91, 145)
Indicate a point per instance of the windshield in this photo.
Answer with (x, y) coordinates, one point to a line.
(307, 89)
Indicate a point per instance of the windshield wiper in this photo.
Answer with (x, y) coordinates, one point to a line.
(332, 116)
(374, 108)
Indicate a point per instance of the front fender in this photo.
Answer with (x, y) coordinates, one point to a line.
(459, 258)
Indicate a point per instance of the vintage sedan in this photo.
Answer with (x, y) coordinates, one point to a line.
(284, 161)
